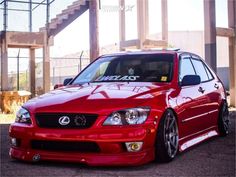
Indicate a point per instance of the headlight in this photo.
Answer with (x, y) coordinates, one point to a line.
(128, 117)
(23, 116)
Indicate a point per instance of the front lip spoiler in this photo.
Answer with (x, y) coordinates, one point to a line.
(91, 159)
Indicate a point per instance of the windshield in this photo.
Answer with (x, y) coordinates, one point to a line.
(129, 68)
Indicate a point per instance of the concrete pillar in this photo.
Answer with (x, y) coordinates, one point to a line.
(122, 21)
(4, 63)
(232, 51)
(46, 65)
(1, 105)
(146, 17)
(164, 20)
(210, 33)
(0, 75)
(143, 21)
(93, 29)
(32, 71)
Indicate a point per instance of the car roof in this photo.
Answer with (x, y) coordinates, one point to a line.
(141, 52)
(152, 51)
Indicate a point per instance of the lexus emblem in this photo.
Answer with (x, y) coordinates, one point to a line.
(64, 120)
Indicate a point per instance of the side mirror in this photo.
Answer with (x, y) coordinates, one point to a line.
(58, 85)
(191, 80)
(67, 81)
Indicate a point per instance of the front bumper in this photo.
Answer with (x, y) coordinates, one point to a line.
(110, 140)
(121, 159)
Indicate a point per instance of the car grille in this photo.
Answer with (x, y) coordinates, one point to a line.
(51, 120)
(65, 146)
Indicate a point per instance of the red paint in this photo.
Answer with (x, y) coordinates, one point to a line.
(104, 98)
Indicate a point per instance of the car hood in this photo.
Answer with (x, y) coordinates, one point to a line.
(99, 98)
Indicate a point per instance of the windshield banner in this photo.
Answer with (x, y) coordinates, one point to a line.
(117, 78)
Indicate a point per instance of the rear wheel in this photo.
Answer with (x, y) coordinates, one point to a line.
(223, 121)
(167, 141)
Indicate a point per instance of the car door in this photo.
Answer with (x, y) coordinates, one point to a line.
(191, 101)
(209, 85)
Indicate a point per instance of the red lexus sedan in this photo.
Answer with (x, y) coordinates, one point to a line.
(124, 109)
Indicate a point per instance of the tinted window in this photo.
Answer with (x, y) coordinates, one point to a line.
(131, 68)
(210, 77)
(200, 69)
(186, 68)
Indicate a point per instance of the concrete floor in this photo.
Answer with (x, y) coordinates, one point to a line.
(215, 157)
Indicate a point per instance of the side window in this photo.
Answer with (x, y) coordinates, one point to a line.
(208, 73)
(186, 68)
(200, 69)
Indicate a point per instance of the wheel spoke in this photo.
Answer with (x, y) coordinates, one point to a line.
(169, 148)
(168, 122)
(173, 144)
(172, 123)
(226, 125)
(225, 117)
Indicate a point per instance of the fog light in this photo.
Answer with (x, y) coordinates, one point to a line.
(36, 158)
(134, 146)
(15, 142)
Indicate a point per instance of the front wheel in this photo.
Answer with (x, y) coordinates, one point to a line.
(167, 141)
(223, 120)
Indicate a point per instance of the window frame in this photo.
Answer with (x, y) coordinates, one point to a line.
(181, 58)
(195, 57)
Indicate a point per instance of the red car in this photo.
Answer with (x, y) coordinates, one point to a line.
(124, 109)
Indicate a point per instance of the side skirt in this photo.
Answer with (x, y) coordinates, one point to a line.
(196, 138)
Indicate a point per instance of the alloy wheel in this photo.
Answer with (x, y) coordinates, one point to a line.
(225, 118)
(171, 135)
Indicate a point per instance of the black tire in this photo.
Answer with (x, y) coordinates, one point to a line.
(223, 120)
(167, 139)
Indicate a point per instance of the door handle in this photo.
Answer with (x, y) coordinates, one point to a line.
(216, 86)
(200, 89)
